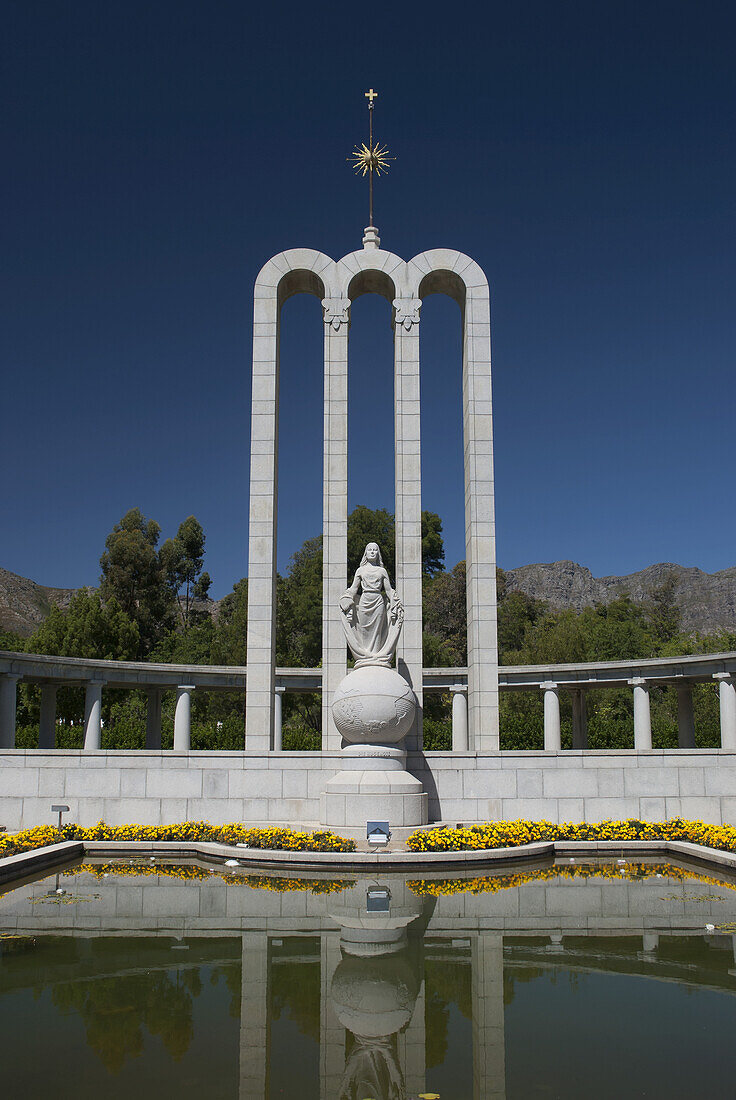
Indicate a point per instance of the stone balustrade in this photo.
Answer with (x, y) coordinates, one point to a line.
(50, 673)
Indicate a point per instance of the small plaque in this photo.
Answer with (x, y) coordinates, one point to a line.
(378, 832)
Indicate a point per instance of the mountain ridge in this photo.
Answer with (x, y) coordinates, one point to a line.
(24, 604)
(707, 601)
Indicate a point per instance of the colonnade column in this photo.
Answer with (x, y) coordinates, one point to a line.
(334, 507)
(408, 478)
(649, 942)
(153, 718)
(480, 525)
(727, 701)
(277, 718)
(254, 1016)
(552, 731)
(489, 1065)
(183, 718)
(93, 714)
(685, 717)
(642, 714)
(579, 719)
(459, 718)
(47, 721)
(8, 697)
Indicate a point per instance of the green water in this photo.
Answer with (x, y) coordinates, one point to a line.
(137, 983)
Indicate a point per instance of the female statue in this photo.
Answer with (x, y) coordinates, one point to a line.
(372, 613)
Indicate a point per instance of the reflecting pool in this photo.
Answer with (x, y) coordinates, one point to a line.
(138, 980)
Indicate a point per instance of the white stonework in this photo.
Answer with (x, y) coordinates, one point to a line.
(158, 788)
(405, 285)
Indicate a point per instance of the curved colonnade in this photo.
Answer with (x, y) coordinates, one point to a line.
(50, 673)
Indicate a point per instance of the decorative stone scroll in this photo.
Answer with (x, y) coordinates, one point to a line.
(336, 312)
(407, 311)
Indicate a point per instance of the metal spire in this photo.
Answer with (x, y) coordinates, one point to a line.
(370, 158)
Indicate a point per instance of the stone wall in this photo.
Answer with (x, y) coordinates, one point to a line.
(164, 787)
(580, 785)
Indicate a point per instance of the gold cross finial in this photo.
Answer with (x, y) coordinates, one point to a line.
(372, 157)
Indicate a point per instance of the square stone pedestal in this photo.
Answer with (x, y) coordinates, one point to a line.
(374, 786)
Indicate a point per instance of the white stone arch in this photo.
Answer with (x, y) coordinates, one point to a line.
(444, 271)
(365, 271)
(370, 271)
(299, 270)
(377, 260)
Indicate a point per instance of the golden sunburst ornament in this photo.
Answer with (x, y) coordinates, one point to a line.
(367, 160)
(370, 159)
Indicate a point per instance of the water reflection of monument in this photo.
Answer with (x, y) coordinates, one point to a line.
(375, 987)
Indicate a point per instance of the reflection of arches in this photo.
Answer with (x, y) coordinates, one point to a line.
(404, 284)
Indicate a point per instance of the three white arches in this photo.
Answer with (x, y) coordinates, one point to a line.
(405, 284)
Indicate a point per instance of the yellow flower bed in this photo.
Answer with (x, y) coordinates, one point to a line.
(284, 840)
(492, 884)
(510, 834)
(188, 873)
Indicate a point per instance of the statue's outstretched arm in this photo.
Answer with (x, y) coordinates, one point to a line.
(347, 603)
(395, 606)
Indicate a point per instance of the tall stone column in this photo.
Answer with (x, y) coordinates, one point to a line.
(727, 701)
(579, 719)
(8, 697)
(47, 722)
(254, 1016)
(93, 715)
(183, 718)
(334, 507)
(408, 477)
(153, 718)
(459, 718)
(264, 449)
(480, 524)
(332, 1032)
(642, 714)
(489, 1067)
(552, 730)
(685, 717)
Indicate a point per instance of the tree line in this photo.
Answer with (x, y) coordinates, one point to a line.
(153, 604)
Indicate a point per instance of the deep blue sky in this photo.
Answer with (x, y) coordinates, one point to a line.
(155, 155)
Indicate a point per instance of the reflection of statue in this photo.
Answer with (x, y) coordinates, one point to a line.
(372, 613)
(374, 998)
(372, 1069)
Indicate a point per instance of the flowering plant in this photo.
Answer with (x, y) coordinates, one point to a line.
(273, 837)
(510, 834)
